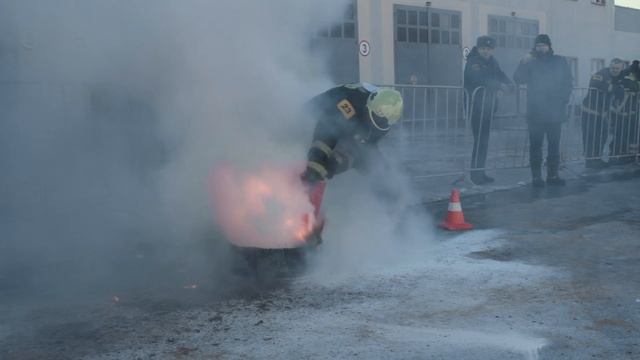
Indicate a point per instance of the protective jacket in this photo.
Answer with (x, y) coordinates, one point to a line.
(343, 137)
(602, 87)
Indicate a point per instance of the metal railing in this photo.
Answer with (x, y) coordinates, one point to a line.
(435, 136)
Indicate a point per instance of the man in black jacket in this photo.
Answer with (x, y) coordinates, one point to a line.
(482, 80)
(549, 85)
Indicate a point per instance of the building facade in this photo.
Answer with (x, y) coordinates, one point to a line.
(424, 42)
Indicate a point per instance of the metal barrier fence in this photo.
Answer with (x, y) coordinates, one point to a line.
(435, 136)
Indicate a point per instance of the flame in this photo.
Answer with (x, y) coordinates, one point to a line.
(268, 208)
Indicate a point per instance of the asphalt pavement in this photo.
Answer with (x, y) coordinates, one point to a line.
(548, 273)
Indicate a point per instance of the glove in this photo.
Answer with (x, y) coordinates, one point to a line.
(310, 177)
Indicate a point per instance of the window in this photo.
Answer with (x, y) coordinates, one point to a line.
(435, 36)
(513, 33)
(455, 21)
(573, 65)
(435, 20)
(413, 35)
(427, 25)
(344, 29)
(596, 65)
(424, 35)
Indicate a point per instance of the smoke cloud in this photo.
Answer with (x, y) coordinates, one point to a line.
(114, 114)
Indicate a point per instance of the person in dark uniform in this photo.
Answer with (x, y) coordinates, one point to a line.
(633, 80)
(623, 114)
(350, 120)
(549, 86)
(603, 86)
(483, 78)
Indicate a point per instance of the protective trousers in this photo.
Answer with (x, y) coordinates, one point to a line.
(625, 135)
(594, 134)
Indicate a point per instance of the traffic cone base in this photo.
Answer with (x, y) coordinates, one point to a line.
(455, 218)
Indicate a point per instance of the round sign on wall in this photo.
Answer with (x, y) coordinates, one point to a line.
(364, 48)
(465, 52)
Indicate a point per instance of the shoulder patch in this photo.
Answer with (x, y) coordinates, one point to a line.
(346, 109)
(596, 77)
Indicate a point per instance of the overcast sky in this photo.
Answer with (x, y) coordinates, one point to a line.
(629, 3)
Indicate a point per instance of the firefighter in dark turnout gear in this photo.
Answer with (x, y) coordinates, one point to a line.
(549, 85)
(483, 78)
(624, 117)
(633, 81)
(603, 87)
(350, 120)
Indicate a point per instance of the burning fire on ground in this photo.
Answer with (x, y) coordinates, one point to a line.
(268, 208)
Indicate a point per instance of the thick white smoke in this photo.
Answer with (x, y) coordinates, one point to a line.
(114, 113)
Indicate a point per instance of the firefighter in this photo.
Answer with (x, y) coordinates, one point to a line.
(634, 78)
(350, 120)
(623, 114)
(483, 78)
(603, 86)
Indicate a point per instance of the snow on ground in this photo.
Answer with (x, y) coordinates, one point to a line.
(440, 301)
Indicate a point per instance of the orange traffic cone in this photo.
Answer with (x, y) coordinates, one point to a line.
(455, 217)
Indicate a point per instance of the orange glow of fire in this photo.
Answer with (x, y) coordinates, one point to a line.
(268, 208)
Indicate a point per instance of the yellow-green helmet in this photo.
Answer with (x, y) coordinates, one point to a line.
(385, 108)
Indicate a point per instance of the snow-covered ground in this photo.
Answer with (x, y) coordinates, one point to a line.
(441, 302)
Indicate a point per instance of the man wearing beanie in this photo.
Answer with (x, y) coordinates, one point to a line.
(549, 85)
(482, 80)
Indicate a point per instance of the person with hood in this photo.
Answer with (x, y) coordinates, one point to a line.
(483, 78)
(549, 86)
(350, 120)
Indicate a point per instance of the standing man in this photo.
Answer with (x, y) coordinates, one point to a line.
(482, 80)
(603, 86)
(549, 85)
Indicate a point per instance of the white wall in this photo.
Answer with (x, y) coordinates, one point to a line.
(577, 29)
